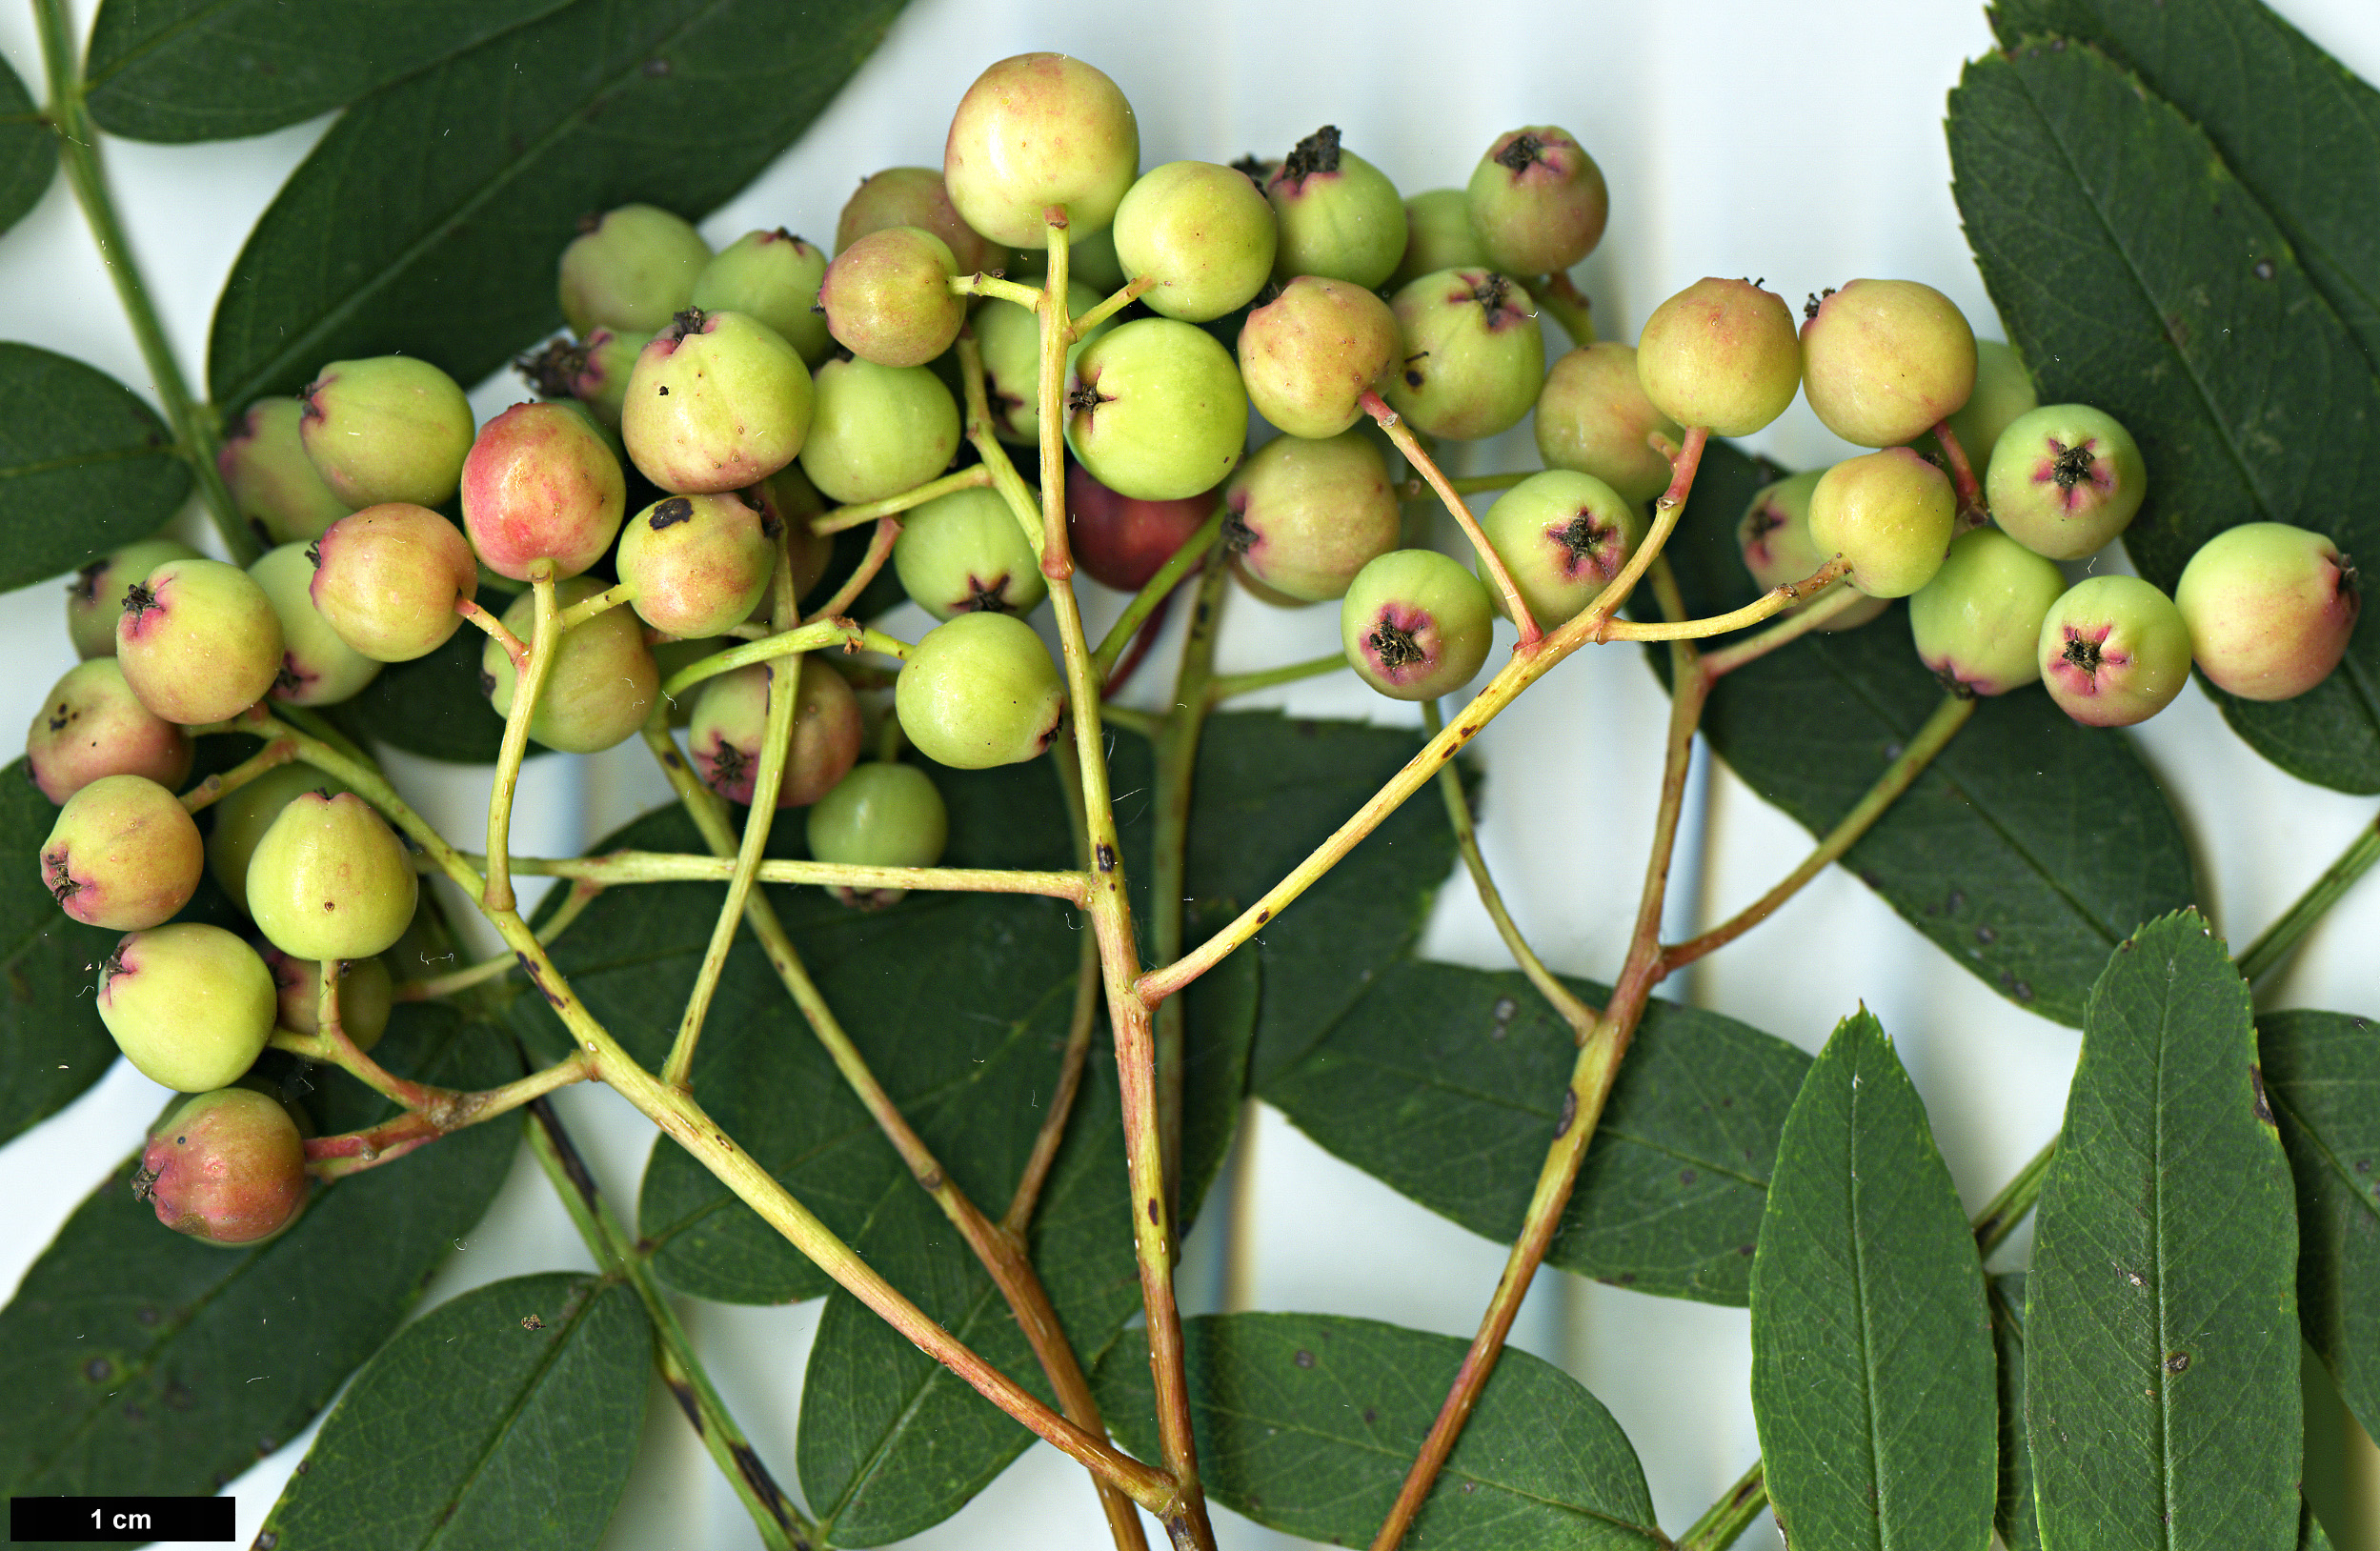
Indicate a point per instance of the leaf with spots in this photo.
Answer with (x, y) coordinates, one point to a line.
(1872, 1375)
(2162, 1394)
(52, 1045)
(505, 1418)
(1306, 1423)
(86, 465)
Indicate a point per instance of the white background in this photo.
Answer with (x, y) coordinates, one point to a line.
(1800, 143)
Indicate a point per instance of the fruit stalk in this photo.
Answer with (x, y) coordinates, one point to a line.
(865, 512)
(980, 437)
(582, 894)
(1774, 601)
(514, 647)
(586, 607)
(2265, 954)
(1970, 493)
(1224, 686)
(1727, 659)
(1557, 295)
(352, 1152)
(1515, 608)
(276, 752)
(821, 633)
(1112, 304)
(880, 550)
(497, 893)
(1153, 596)
(676, 867)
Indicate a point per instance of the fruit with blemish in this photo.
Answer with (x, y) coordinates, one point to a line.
(1472, 357)
(1305, 516)
(227, 1167)
(716, 401)
(1416, 625)
(329, 879)
(198, 641)
(1563, 536)
(697, 565)
(730, 727)
(1308, 355)
(93, 725)
(966, 551)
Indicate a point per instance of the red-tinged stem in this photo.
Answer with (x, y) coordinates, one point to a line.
(1971, 512)
(514, 647)
(879, 550)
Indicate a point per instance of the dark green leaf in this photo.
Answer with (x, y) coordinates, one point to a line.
(2162, 1398)
(216, 70)
(2028, 848)
(431, 218)
(137, 1361)
(2322, 1074)
(1307, 1422)
(28, 151)
(1445, 1084)
(2013, 1516)
(506, 1419)
(85, 466)
(2139, 274)
(2310, 1533)
(1872, 1348)
(433, 706)
(52, 1045)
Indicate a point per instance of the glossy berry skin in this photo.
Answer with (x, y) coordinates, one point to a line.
(1882, 361)
(273, 484)
(1564, 536)
(1305, 516)
(1537, 201)
(964, 552)
(1473, 356)
(700, 564)
(2113, 652)
(1035, 131)
(2064, 479)
(318, 668)
(1010, 338)
(2004, 390)
(1592, 416)
(541, 484)
(2270, 608)
(198, 641)
(601, 685)
(93, 725)
(727, 733)
(367, 995)
(94, 599)
(226, 1167)
(189, 1005)
(1774, 538)
(329, 879)
(1890, 513)
(980, 691)
(1339, 216)
(390, 427)
(1416, 625)
(242, 814)
(1977, 625)
(388, 578)
(631, 270)
(880, 816)
(124, 855)
(1308, 355)
(1122, 542)
(879, 430)
(888, 299)
(914, 197)
(1438, 236)
(717, 401)
(1721, 353)
(1155, 408)
(771, 276)
(1201, 232)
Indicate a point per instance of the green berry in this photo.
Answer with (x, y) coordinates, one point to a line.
(964, 552)
(1721, 354)
(1416, 625)
(541, 483)
(1592, 416)
(1977, 624)
(2004, 390)
(631, 270)
(1036, 131)
(2114, 652)
(242, 814)
(1890, 513)
(591, 373)
(914, 197)
(1308, 355)
(1438, 236)
(880, 816)
(318, 668)
(1537, 202)
(189, 1005)
(390, 427)
(2064, 479)
(388, 578)
(273, 484)
(1010, 338)
(601, 685)
(1774, 538)
(888, 297)
(1306, 517)
(1201, 232)
(771, 276)
(1563, 536)
(1885, 360)
(700, 564)
(1155, 410)
(2270, 608)
(717, 401)
(367, 995)
(879, 430)
(226, 1167)
(93, 725)
(980, 691)
(198, 641)
(1473, 356)
(730, 728)
(329, 879)
(1340, 217)
(94, 599)
(123, 855)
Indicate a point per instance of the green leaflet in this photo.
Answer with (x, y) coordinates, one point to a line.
(28, 151)
(85, 466)
(52, 1045)
(2013, 1516)
(1306, 1423)
(2162, 1399)
(1871, 1351)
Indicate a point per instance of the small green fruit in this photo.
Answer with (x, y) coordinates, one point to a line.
(1885, 360)
(1473, 355)
(1416, 625)
(1310, 354)
(94, 599)
(717, 401)
(1774, 538)
(367, 995)
(273, 484)
(1201, 232)
(1340, 217)
(601, 685)
(242, 814)
(1306, 517)
(888, 297)
(771, 276)
(2114, 652)
(630, 269)
(1890, 513)
(980, 691)
(318, 668)
(964, 552)
(2004, 390)
(189, 1005)
(329, 879)
(1977, 624)
(914, 197)
(699, 564)
(388, 578)
(1155, 410)
(880, 816)
(1010, 338)
(198, 641)
(1537, 202)
(1438, 236)
(1722, 355)
(390, 427)
(2064, 479)
(1036, 131)
(2270, 608)
(1564, 536)
(1592, 416)
(879, 430)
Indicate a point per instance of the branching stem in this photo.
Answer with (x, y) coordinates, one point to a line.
(975, 476)
(1160, 587)
(1417, 458)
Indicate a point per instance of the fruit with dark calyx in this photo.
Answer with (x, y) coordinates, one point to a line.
(771, 276)
(717, 401)
(226, 1167)
(273, 484)
(1563, 536)
(914, 197)
(388, 578)
(980, 691)
(1438, 236)
(124, 854)
(1306, 517)
(879, 814)
(966, 551)
(1721, 354)
(1156, 409)
(592, 371)
(888, 297)
(1416, 625)
(540, 484)
(1890, 514)
(318, 668)
(1774, 538)
(2064, 479)
(1340, 216)
(94, 599)
(1977, 625)
(367, 995)
(329, 879)
(1308, 355)
(1885, 360)
(602, 683)
(727, 733)
(1010, 338)
(1537, 202)
(2270, 608)
(1122, 542)
(1035, 131)
(198, 641)
(1592, 416)
(93, 725)
(390, 427)
(2113, 652)
(1201, 234)
(1473, 358)
(242, 814)
(699, 564)
(631, 270)
(189, 1005)
(2004, 390)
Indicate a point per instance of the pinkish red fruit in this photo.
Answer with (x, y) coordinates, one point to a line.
(123, 855)
(227, 1167)
(388, 578)
(539, 484)
(700, 564)
(2270, 608)
(1035, 131)
(1721, 353)
(93, 725)
(1122, 542)
(729, 724)
(1882, 361)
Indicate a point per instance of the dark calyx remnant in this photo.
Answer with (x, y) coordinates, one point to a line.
(729, 765)
(1809, 308)
(986, 596)
(2070, 466)
(1394, 645)
(1317, 152)
(1525, 151)
(85, 587)
(139, 600)
(1237, 536)
(690, 321)
(1086, 396)
(2082, 653)
(552, 370)
(1494, 294)
(1585, 538)
(671, 513)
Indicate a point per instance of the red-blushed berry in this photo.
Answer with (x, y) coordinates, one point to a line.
(880, 816)
(1035, 131)
(773, 276)
(966, 551)
(541, 484)
(1537, 202)
(93, 725)
(630, 269)
(1592, 416)
(124, 854)
(1201, 232)
(1977, 624)
(1339, 216)
(1774, 538)
(1156, 409)
(980, 691)
(273, 484)
(1890, 513)
(2113, 651)
(699, 564)
(1472, 356)
(198, 641)
(189, 1005)
(1308, 355)
(387, 578)
(242, 814)
(2270, 608)
(2064, 479)
(1122, 542)
(1722, 355)
(318, 668)
(717, 401)
(1882, 361)
(94, 599)
(728, 733)
(914, 197)
(1416, 625)
(888, 297)
(1305, 516)
(227, 1167)
(1438, 236)
(389, 428)
(602, 682)
(367, 995)
(329, 879)
(1563, 536)
(877, 430)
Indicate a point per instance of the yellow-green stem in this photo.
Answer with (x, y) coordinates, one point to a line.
(1108, 307)
(495, 630)
(1516, 607)
(1225, 686)
(972, 477)
(582, 894)
(527, 686)
(1774, 601)
(987, 444)
(810, 637)
(586, 607)
(1819, 611)
(678, 867)
(979, 284)
(276, 752)
(1144, 603)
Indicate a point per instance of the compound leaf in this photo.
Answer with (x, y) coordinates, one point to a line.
(86, 465)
